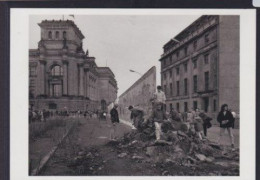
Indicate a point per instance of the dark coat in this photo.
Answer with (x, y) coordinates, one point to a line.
(228, 116)
(114, 116)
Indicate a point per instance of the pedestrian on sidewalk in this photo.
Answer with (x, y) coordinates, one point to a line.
(114, 120)
(158, 116)
(226, 122)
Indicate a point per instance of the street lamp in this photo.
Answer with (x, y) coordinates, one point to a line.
(135, 72)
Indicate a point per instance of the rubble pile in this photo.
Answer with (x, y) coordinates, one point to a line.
(178, 146)
(86, 162)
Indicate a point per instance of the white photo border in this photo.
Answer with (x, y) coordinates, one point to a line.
(19, 61)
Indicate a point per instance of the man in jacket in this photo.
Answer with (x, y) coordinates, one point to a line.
(114, 121)
(226, 121)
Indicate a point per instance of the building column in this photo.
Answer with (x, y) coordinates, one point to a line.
(86, 82)
(65, 77)
(81, 78)
(41, 79)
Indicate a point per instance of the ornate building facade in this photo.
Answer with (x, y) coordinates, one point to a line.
(64, 77)
(200, 66)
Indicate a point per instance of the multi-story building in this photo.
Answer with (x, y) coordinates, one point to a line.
(64, 77)
(200, 65)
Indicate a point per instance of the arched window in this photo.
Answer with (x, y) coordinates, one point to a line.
(64, 34)
(50, 35)
(57, 71)
(57, 34)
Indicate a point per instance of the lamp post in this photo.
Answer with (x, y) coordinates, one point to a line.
(135, 72)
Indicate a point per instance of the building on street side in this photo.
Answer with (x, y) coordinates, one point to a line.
(62, 76)
(200, 65)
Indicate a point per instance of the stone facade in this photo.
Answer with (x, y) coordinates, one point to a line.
(200, 66)
(138, 95)
(64, 77)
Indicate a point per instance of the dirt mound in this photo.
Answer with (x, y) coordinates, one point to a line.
(177, 146)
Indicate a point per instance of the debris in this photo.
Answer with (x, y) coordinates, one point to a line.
(209, 159)
(200, 157)
(180, 133)
(137, 157)
(122, 155)
(162, 142)
(81, 153)
(165, 173)
(192, 160)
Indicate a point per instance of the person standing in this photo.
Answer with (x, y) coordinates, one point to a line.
(159, 97)
(206, 122)
(226, 121)
(158, 116)
(136, 117)
(114, 121)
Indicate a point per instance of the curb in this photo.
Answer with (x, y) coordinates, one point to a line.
(47, 157)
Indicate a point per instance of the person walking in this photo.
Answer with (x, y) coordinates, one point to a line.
(114, 120)
(226, 122)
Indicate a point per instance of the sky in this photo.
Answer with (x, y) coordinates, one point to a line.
(122, 42)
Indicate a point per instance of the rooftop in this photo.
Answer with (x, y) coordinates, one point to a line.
(45, 23)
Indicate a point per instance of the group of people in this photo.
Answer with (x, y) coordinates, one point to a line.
(196, 120)
(43, 115)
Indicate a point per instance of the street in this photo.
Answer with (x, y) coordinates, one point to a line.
(102, 157)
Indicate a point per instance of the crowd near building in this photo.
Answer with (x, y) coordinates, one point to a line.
(62, 76)
(200, 66)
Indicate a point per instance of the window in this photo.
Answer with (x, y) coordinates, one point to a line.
(178, 107)
(185, 86)
(195, 45)
(32, 71)
(171, 89)
(206, 59)
(32, 83)
(185, 51)
(57, 35)
(195, 81)
(170, 73)
(214, 105)
(185, 106)
(64, 34)
(194, 63)
(57, 71)
(50, 35)
(177, 70)
(206, 38)
(206, 76)
(195, 105)
(178, 87)
(185, 67)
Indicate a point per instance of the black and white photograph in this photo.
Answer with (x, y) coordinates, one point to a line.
(136, 94)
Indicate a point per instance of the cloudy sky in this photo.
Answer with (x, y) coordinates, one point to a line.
(122, 42)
